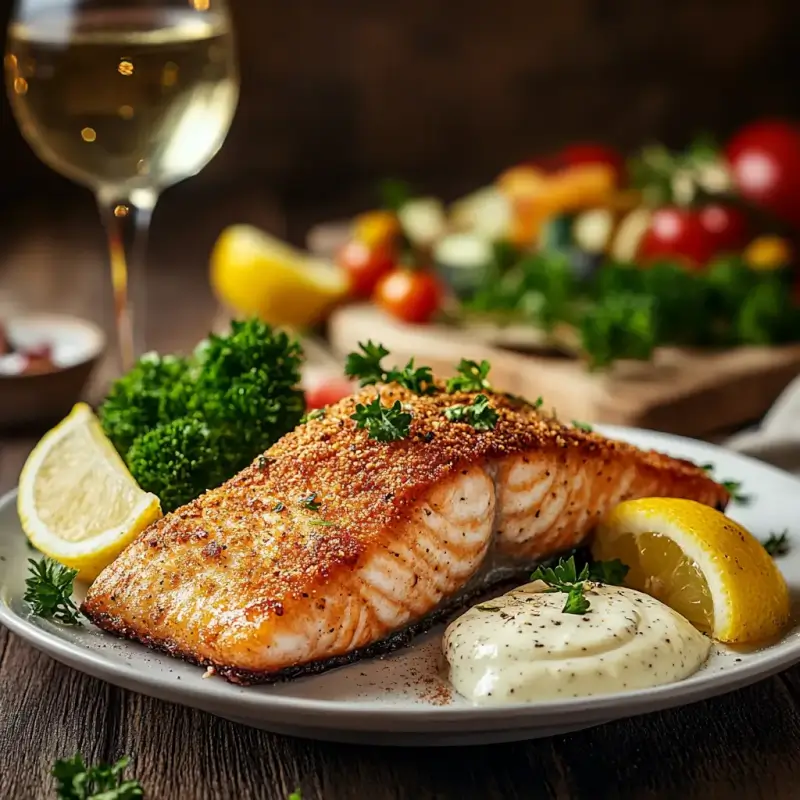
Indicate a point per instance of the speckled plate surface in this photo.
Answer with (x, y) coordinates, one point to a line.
(401, 699)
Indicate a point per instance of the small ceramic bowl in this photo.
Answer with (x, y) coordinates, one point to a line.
(75, 347)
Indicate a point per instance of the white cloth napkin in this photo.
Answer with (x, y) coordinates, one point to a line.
(777, 439)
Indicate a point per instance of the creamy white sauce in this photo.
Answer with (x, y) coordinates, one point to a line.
(522, 646)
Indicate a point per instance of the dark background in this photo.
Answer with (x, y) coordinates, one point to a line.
(336, 95)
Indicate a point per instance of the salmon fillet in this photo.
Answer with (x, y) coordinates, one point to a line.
(332, 542)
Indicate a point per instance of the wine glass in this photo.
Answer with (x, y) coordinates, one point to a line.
(126, 97)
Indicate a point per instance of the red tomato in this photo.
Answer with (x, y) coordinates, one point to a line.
(326, 390)
(365, 266)
(409, 295)
(765, 165)
(677, 233)
(587, 153)
(726, 226)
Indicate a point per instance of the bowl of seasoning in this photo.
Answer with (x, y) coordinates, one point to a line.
(46, 361)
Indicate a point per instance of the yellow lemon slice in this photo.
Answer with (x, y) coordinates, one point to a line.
(256, 274)
(77, 502)
(700, 563)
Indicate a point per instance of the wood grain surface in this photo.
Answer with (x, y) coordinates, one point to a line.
(743, 745)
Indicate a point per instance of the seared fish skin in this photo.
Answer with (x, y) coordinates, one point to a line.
(332, 541)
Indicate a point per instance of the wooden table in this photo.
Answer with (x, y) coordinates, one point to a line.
(743, 745)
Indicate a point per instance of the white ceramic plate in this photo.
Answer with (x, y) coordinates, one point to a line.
(400, 699)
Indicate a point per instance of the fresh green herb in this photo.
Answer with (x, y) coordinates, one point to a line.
(395, 194)
(488, 608)
(76, 781)
(471, 377)
(480, 415)
(539, 402)
(611, 572)
(582, 426)
(383, 423)
(310, 502)
(576, 601)
(263, 462)
(187, 425)
(295, 795)
(48, 590)
(733, 488)
(564, 577)
(317, 413)
(366, 366)
(322, 523)
(278, 507)
(777, 544)
(418, 380)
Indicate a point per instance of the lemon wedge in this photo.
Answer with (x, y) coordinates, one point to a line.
(77, 502)
(257, 274)
(700, 563)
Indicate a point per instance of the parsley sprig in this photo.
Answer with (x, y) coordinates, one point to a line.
(383, 423)
(76, 781)
(564, 577)
(367, 367)
(479, 414)
(777, 544)
(733, 488)
(310, 501)
(471, 377)
(48, 591)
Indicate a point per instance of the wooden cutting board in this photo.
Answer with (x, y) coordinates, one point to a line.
(688, 392)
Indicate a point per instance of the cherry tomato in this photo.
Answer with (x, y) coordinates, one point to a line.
(588, 153)
(365, 266)
(726, 226)
(325, 390)
(677, 233)
(765, 166)
(409, 295)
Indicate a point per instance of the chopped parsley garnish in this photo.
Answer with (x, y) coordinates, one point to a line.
(488, 608)
(777, 544)
(278, 507)
(48, 591)
(322, 523)
(539, 402)
(317, 413)
(366, 365)
(310, 502)
(76, 781)
(480, 414)
(471, 377)
(582, 426)
(383, 423)
(564, 577)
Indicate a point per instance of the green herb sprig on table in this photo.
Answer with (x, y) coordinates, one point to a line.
(564, 577)
(777, 544)
(733, 488)
(383, 423)
(479, 414)
(77, 781)
(184, 425)
(48, 591)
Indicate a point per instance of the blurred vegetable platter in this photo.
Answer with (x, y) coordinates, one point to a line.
(599, 257)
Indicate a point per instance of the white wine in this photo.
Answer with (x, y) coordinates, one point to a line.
(123, 100)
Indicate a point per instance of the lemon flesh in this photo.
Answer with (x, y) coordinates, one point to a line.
(700, 563)
(257, 275)
(77, 502)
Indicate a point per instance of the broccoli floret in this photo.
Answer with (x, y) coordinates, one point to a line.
(177, 461)
(187, 425)
(154, 391)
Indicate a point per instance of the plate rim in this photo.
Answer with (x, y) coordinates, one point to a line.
(326, 713)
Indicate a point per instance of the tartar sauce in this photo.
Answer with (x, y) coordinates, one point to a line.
(522, 646)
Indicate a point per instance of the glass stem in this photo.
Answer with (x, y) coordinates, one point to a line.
(127, 222)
